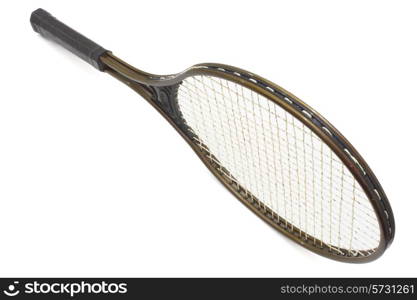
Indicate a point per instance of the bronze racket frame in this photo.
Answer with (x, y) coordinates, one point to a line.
(161, 92)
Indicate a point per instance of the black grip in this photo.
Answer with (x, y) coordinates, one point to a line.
(48, 26)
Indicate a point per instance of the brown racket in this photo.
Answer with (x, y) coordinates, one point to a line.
(276, 154)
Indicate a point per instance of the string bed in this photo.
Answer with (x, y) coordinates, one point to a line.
(281, 162)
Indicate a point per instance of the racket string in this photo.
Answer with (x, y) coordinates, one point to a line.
(290, 155)
(280, 161)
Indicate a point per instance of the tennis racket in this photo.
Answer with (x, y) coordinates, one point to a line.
(276, 154)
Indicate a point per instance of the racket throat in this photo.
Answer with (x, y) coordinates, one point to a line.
(165, 98)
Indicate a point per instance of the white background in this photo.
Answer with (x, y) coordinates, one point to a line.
(93, 182)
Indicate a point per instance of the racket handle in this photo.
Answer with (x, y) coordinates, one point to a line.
(48, 26)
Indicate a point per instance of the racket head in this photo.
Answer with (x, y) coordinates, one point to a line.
(165, 94)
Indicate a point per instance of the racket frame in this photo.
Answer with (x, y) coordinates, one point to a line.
(151, 87)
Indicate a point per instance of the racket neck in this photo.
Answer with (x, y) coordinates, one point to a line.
(132, 77)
